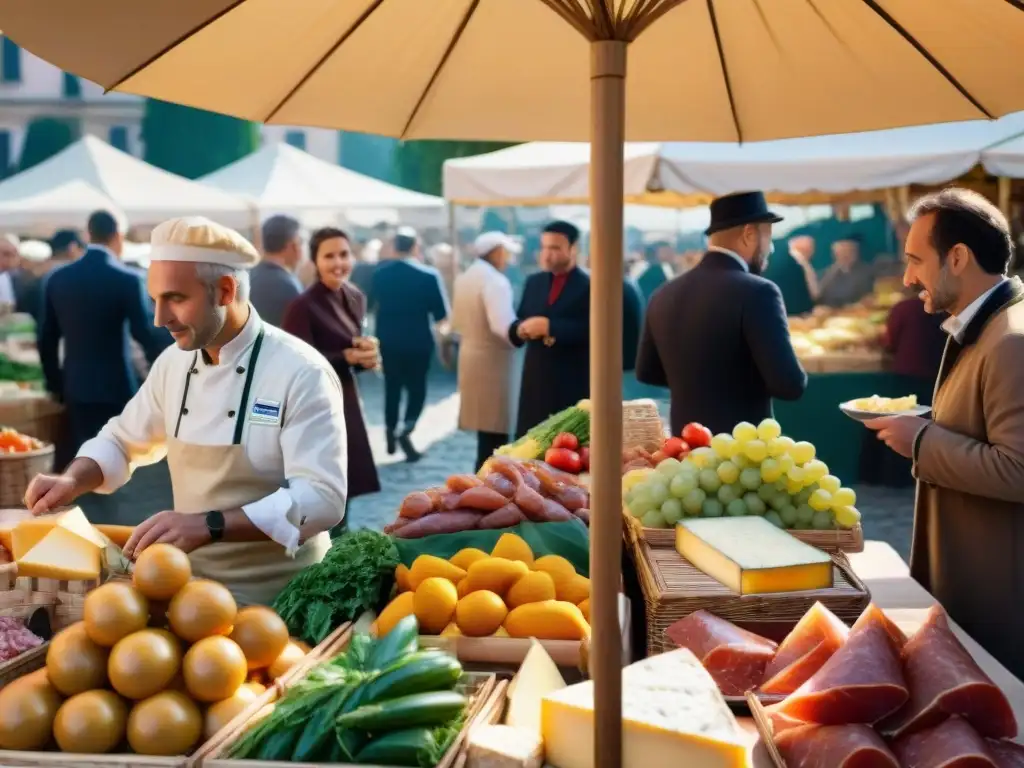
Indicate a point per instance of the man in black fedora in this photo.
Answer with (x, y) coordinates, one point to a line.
(717, 335)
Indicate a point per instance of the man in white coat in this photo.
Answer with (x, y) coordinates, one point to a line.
(249, 417)
(482, 313)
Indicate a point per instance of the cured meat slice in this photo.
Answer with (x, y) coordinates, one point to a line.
(862, 682)
(945, 680)
(834, 746)
(953, 744)
(1005, 754)
(805, 650)
(734, 657)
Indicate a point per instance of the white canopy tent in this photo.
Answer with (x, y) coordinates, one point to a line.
(91, 174)
(1005, 159)
(284, 179)
(793, 171)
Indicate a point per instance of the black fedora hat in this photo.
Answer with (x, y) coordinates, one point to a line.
(740, 208)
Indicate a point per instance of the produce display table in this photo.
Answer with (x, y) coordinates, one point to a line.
(906, 601)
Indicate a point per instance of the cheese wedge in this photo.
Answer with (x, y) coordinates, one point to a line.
(75, 521)
(9, 520)
(673, 715)
(502, 746)
(751, 556)
(28, 533)
(537, 677)
(62, 555)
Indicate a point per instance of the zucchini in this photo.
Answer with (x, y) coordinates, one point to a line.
(417, 673)
(401, 640)
(426, 709)
(404, 748)
(279, 745)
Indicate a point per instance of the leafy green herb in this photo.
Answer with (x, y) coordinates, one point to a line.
(353, 577)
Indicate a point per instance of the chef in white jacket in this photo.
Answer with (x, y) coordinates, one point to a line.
(249, 417)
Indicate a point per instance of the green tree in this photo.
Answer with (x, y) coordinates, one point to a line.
(193, 142)
(419, 163)
(45, 137)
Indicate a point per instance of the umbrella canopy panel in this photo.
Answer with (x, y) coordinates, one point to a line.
(742, 70)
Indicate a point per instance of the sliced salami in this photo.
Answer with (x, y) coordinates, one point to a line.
(834, 746)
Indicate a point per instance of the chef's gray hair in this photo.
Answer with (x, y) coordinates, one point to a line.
(209, 274)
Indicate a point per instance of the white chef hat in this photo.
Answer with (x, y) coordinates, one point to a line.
(34, 250)
(196, 238)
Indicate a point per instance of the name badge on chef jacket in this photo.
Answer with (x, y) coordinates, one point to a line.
(265, 412)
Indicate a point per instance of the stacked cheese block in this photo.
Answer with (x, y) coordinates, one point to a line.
(672, 715)
(64, 546)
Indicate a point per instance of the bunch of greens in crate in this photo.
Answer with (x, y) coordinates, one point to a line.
(356, 574)
(382, 702)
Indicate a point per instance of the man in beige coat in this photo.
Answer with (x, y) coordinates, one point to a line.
(481, 316)
(968, 546)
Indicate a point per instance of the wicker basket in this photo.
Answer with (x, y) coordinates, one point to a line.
(673, 589)
(36, 416)
(836, 540)
(642, 426)
(17, 471)
(36, 659)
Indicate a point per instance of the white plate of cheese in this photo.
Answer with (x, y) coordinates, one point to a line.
(867, 408)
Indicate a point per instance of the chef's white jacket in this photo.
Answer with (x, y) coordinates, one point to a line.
(305, 448)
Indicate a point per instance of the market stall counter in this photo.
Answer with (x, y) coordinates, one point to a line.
(906, 602)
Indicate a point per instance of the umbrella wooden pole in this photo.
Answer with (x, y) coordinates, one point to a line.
(608, 130)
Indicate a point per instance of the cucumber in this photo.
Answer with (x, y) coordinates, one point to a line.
(320, 726)
(401, 640)
(419, 709)
(404, 748)
(417, 673)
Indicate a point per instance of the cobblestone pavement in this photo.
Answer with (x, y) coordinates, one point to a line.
(887, 512)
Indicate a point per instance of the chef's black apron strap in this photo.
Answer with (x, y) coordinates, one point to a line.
(243, 406)
(184, 395)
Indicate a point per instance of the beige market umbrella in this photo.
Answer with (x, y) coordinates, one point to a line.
(699, 70)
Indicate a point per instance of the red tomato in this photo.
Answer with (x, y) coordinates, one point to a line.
(697, 435)
(585, 457)
(566, 440)
(564, 459)
(675, 447)
(657, 457)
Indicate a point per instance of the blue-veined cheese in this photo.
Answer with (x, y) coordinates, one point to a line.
(673, 716)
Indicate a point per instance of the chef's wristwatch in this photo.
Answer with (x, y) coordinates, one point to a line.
(215, 524)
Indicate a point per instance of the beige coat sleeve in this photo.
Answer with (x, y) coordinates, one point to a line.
(992, 469)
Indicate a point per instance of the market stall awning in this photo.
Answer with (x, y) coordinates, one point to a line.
(142, 192)
(795, 171)
(284, 179)
(1006, 158)
(66, 204)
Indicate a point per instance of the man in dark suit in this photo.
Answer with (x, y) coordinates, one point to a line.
(553, 321)
(409, 300)
(273, 280)
(717, 336)
(92, 304)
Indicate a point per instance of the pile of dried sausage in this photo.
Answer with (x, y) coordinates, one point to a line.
(510, 492)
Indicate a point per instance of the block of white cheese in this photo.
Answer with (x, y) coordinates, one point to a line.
(503, 746)
(537, 677)
(751, 556)
(63, 555)
(673, 716)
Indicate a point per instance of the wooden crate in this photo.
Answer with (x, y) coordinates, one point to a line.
(485, 707)
(673, 588)
(36, 659)
(836, 540)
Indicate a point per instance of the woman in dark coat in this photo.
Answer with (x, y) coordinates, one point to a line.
(329, 316)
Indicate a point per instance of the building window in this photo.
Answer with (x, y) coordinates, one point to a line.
(119, 137)
(10, 62)
(5, 153)
(72, 86)
(296, 139)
